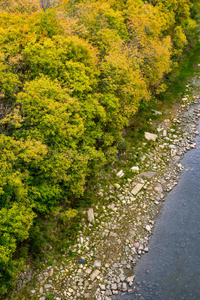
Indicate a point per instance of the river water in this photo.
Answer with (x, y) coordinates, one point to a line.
(171, 269)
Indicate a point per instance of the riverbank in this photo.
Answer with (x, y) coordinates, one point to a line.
(179, 141)
(116, 230)
(171, 268)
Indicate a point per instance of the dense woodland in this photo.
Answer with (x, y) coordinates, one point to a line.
(72, 75)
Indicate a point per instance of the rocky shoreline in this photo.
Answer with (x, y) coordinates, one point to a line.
(114, 236)
(118, 279)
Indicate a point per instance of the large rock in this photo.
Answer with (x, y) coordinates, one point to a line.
(90, 215)
(137, 188)
(148, 175)
(94, 274)
(150, 136)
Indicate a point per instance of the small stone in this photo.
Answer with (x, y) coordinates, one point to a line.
(115, 265)
(112, 206)
(87, 295)
(126, 248)
(141, 247)
(51, 272)
(136, 245)
(97, 263)
(102, 287)
(42, 298)
(133, 250)
(120, 174)
(88, 271)
(122, 277)
(113, 286)
(47, 286)
(157, 112)
(135, 169)
(41, 290)
(117, 185)
(90, 215)
(86, 283)
(173, 152)
(148, 228)
(70, 290)
(132, 199)
(124, 287)
(115, 292)
(109, 294)
(159, 129)
(158, 188)
(164, 132)
(107, 265)
(113, 234)
(81, 240)
(123, 262)
(130, 279)
(172, 146)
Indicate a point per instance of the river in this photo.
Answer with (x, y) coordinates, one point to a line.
(171, 269)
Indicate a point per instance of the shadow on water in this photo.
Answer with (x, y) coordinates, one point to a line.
(171, 269)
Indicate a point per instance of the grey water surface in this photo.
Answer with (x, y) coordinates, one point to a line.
(171, 269)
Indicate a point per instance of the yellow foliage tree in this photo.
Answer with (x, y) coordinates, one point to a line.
(149, 45)
(20, 6)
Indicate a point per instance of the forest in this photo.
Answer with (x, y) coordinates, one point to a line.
(72, 75)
